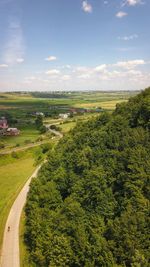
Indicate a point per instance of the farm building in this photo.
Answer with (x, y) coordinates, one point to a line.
(12, 131)
(3, 123)
(39, 114)
(73, 111)
(64, 115)
(5, 130)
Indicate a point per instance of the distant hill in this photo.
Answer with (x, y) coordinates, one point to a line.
(89, 205)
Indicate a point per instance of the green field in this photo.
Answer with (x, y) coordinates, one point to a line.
(108, 105)
(14, 173)
(28, 134)
(66, 127)
(23, 105)
(20, 109)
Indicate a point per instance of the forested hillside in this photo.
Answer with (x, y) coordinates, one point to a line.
(89, 205)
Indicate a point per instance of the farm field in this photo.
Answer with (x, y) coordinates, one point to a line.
(66, 127)
(14, 173)
(20, 105)
(21, 108)
(107, 105)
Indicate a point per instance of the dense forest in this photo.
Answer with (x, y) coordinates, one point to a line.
(89, 205)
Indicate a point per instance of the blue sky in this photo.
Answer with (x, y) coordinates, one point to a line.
(74, 44)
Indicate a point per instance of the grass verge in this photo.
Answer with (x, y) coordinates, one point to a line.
(14, 173)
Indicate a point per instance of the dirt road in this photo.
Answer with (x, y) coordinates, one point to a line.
(10, 250)
(17, 149)
(22, 148)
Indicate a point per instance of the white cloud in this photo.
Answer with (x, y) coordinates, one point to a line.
(135, 72)
(31, 78)
(3, 66)
(100, 68)
(121, 75)
(14, 47)
(130, 64)
(128, 38)
(87, 7)
(45, 81)
(65, 67)
(132, 2)
(20, 60)
(84, 76)
(53, 72)
(66, 77)
(83, 72)
(121, 14)
(81, 69)
(27, 82)
(51, 58)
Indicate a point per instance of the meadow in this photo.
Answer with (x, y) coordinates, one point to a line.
(28, 134)
(14, 173)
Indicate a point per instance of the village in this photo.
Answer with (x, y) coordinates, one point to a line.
(5, 130)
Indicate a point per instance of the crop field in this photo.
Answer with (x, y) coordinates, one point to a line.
(107, 105)
(14, 173)
(22, 106)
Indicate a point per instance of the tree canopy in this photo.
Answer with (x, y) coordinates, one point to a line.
(89, 205)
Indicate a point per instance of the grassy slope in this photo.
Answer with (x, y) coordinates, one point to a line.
(66, 127)
(14, 173)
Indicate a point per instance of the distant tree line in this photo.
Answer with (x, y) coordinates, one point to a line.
(90, 204)
(49, 95)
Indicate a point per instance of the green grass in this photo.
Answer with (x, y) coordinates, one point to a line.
(66, 127)
(14, 173)
(26, 133)
(109, 104)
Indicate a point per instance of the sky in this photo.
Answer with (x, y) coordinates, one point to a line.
(48, 45)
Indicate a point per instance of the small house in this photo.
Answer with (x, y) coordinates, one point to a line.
(64, 116)
(12, 131)
(3, 123)
(39, 114)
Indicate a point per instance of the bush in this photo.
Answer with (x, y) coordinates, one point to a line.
(42, 129)
(17, 145)
(27, 141)
(46, 148)
(15, 155)
(2, 145)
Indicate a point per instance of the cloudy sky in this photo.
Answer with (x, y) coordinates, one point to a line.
(74, 44)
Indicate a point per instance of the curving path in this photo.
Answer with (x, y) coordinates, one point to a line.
(22, 148)
(10, 256)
